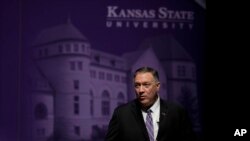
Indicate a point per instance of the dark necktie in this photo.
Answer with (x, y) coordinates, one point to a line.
(149, 125)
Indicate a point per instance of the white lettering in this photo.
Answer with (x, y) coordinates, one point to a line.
(190, 15)
(136, 24)
(118, 24)
(237, 132)
(145, 24)
(165, 25)
(108, 23)
(149, 18)
(170, 14)
(114, 12)
(162, 13)
(111, 11)
(243, 131)
(240, 132)
(155, 25)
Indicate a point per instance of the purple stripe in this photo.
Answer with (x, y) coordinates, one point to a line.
(149, 125)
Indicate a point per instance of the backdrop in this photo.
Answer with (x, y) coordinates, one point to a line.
(67, 64)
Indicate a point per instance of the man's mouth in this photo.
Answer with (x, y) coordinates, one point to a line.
(142, 97)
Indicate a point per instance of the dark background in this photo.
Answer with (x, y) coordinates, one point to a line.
(224, 73)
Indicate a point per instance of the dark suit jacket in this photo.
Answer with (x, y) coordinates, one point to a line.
(127, 124)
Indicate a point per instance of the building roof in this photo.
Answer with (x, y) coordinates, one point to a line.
(61, 32)
(166, 48)
(132, 57)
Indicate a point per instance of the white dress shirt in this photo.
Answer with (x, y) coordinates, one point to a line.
(155, 116)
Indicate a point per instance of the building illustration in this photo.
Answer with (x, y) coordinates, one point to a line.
(75, 88)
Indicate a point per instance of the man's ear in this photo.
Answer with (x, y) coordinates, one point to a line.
(158, 85)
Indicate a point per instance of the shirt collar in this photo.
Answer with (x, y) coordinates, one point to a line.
(156, 105)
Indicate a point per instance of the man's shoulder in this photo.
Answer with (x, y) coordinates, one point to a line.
(170, 105)
(126, 105)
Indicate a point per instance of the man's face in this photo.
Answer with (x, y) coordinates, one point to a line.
(146, 88)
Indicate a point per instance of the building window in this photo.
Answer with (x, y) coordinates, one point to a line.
(120, 99)
(68, 48)
(92, 73)
(76, 84)
(83, 48)
(101, 75)
(105, 103)
(181, 71)
(105, 108)
(41, 111)
(76, 105)
(91, 103)
(96, 132)
(76, 108)
(109, 76)
(117, 78)
(72, 65)
(60, 48)
(87, 47)
(77, 130)
(76, 48)
(97, 59)
(76, 98)
(79, 63)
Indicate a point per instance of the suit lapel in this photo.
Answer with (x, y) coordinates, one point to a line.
(163, 117)
(163, 110)
(136, 110)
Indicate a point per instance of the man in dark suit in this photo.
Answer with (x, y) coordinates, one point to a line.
(149, 118)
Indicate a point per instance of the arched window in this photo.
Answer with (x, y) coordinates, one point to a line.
(105, 103)
(120, 99)
(41, 111)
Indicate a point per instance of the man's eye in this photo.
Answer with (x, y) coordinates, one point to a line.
(146, 85)
(136, 86)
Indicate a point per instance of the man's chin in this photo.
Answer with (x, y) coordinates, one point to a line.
(144, 103)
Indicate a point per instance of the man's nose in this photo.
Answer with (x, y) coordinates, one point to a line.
(141, 89)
